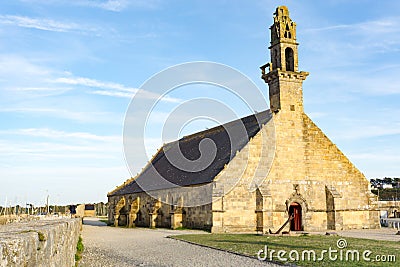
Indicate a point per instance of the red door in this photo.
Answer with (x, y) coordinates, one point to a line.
(295, 211)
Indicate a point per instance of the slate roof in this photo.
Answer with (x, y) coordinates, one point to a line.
(228, 138)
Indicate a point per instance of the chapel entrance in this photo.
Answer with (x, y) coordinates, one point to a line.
(295, 211)
(122, 217)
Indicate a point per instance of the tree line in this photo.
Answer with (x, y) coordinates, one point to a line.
(395, 182)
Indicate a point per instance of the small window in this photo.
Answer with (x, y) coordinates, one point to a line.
(292, 108)
(89, 207)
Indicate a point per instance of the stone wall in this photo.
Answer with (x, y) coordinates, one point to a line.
(6, 219)
(166, 208)
(80, 211)
(234, 196)
(309, 170)
(39, 243)
(354, 204)
(389, 209)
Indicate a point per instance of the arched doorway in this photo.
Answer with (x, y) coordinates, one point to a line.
(295, 211)
(123, 218)
(140, 221)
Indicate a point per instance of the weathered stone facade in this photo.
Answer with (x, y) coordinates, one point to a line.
(141, 209)
(289, 171)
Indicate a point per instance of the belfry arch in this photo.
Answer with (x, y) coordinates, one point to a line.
(289, 57)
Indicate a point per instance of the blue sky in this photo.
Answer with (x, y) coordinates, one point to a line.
(68, 70)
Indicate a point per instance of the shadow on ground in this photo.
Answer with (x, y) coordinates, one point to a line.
(93, 222)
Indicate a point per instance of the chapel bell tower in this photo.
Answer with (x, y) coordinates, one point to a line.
(284, 78)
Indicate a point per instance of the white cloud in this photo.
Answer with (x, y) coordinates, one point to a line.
(371, 131)
(316, 115)
(118, 5)
(382, 26)
(95, 83)
(23, 78)
(378, 125)
(377, 36)
(392, 157)
(118, 90)
(17, 66)
(171, 99)
(42, 24)
(56, 134)
(113, 5)
(40, 89)
(114, 93)
(386, 160)
(48, 146)
(80, 116)
(35, 151)
(109, 5)
(373, 81)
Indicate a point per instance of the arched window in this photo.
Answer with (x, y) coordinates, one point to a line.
(289, 59)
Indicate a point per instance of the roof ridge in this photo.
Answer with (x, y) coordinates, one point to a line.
(215, 127)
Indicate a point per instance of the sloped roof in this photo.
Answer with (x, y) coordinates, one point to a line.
(161, 173)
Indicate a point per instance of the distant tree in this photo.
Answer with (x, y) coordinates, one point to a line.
(388, 180)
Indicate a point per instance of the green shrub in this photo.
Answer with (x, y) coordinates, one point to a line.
(79, 245)
(79, 250)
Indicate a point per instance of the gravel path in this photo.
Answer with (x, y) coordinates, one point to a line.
(109, 246)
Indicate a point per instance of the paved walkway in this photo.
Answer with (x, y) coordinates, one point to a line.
(109, 246)
(385, 234)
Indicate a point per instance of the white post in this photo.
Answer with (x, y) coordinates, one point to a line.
(47, 204)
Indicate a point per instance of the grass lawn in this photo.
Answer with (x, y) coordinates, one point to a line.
(250, 244)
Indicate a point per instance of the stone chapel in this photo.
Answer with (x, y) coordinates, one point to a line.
(281, 173)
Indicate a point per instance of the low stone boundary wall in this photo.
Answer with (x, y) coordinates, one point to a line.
(39, 243)
(391, 222)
